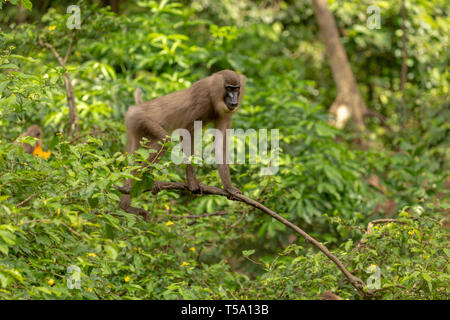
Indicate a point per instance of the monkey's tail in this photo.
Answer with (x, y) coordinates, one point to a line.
(138, 96)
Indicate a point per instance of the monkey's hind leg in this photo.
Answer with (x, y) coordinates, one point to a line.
(125, 204)
(156, 134)
(192, 182)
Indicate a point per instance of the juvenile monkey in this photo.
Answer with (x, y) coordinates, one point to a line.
(213, 99)
(32, 131)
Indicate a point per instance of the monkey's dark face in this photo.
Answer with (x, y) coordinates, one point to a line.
(35, 133)
(232, 96)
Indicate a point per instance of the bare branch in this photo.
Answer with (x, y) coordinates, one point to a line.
(197, 216)
(55, 53)
(26, 200)
(362, 242)
(73, 117)
(68, 50)
(357, 283)
(244, 214)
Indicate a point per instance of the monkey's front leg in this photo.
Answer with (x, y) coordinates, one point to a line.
(189, 150)
(224, 172)
(222, 157)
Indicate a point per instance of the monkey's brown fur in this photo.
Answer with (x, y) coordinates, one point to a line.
(32, 131)
(213, 99)
(328, 295)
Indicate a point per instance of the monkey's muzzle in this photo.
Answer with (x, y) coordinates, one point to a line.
(232, 106)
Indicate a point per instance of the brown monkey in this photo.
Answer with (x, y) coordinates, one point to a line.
(328, 295)
(32, 131)
(213, 99)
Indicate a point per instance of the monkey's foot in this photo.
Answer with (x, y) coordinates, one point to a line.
(232, 191)
(125, 204)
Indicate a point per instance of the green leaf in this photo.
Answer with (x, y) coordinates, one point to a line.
(111, 252)
(248, 253)
(324, 130)
(3, 280)
(8, 237)
(4, 248)
(427, 277)
(447, 252)
(27, 4)
(9, 66)
(139, 187)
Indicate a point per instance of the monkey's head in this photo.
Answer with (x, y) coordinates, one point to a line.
(34, 131)
(233, 86)
(232, 95)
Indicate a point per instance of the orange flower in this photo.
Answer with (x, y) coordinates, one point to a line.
(41, 153)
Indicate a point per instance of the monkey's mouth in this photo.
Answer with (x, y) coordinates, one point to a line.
(232, 106)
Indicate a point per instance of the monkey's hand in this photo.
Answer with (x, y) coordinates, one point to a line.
(232, 191)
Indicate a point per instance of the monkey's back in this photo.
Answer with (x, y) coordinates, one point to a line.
(175, 110)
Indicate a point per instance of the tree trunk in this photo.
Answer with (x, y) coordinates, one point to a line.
(22, 14)
(72, 125)
(404, 50)
(115, 5)
(349, 103)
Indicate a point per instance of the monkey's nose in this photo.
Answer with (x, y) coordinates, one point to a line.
(233, 105)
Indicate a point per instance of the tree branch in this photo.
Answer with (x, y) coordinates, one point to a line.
(68, 50)
(61, 61)
(357, 283)
(197, 216)
(73, 116)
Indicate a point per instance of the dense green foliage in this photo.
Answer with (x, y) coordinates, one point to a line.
(64, 211)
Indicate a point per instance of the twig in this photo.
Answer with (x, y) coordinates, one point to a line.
(357, 283)
(363, 241)
(244, 214)
(93, 133)
(67, 226)
(26, 200)
(73, 116)
(197, 216)
(379, 221)
(68, 50)
(55, 53)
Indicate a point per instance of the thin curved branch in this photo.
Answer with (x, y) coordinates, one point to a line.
(357, 283)
(198, 216)
(73, 116)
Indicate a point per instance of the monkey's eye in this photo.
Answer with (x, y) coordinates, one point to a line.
(232, 88)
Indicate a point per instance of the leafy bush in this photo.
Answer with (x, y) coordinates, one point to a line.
(59, 218)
